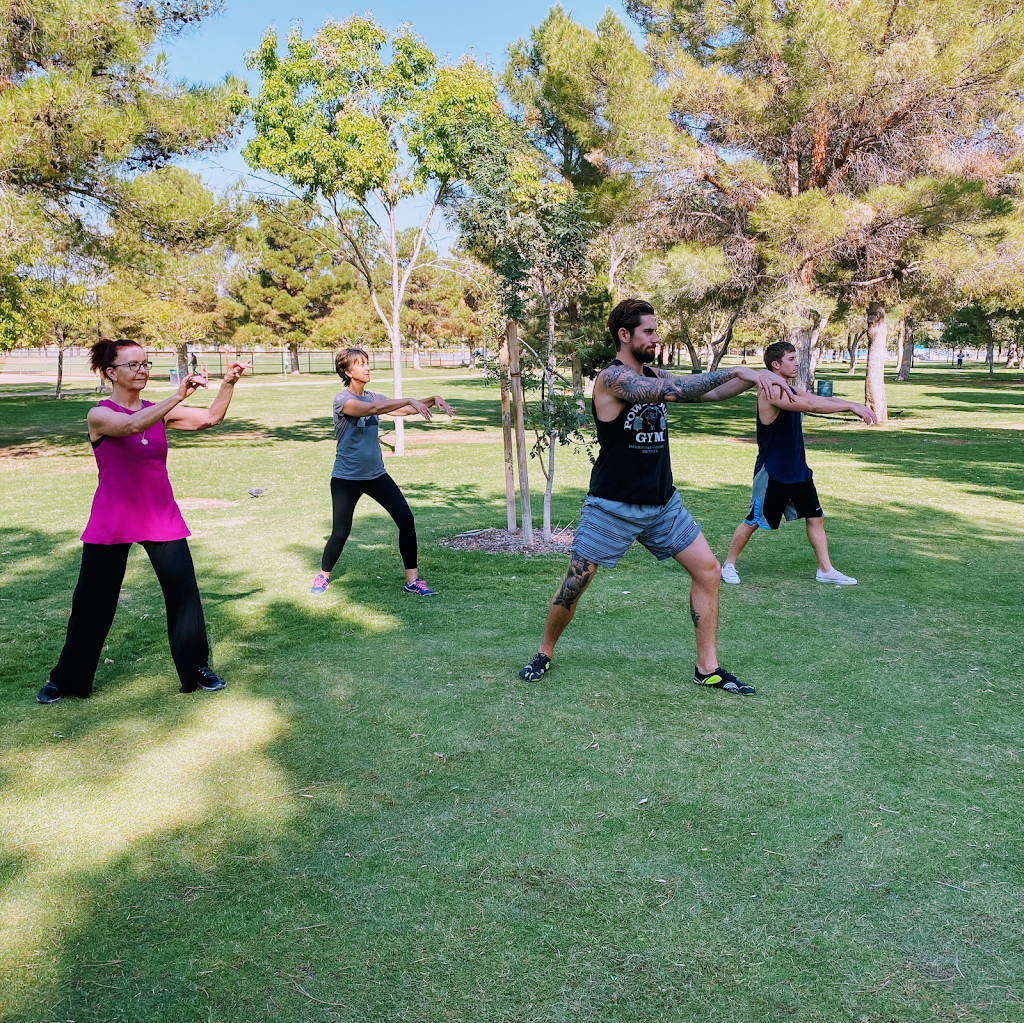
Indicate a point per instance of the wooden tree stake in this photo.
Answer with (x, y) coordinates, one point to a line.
(526, 513)
(506, 436)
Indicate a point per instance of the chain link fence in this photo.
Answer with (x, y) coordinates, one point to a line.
(274, 362)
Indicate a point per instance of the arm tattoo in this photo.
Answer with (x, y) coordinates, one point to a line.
(579, 573)
(694, 615)
(629, 386)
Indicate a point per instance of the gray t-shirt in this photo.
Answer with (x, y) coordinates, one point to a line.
(359, 456)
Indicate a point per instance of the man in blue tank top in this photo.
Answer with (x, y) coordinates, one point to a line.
(631, 494)
(783, 481)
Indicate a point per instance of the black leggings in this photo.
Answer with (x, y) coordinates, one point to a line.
(95, 602)
(384, 490)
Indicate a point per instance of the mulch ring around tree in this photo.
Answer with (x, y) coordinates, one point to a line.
(501, 541)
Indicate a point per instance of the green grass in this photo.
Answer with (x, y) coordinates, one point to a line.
(379, 821)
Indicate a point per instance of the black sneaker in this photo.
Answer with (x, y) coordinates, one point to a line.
(722, 679)
(537, 668)
(206, 678)
(49, 694)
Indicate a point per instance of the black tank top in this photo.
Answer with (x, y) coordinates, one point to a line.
(780, 447)
(633, 464)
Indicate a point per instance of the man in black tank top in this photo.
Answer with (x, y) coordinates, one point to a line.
(783, 482)
(631, 494)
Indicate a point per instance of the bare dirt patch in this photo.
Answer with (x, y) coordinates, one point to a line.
(194, 503)
(501, 541)
(23, 451)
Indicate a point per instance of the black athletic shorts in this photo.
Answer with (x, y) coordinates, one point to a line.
(772, 499)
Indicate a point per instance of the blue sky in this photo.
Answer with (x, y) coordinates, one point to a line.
(218, 46)
(454, 28)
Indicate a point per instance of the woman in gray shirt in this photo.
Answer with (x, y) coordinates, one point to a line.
(359, 466)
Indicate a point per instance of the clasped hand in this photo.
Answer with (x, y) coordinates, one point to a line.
(191, 383)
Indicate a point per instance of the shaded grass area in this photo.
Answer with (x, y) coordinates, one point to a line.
(379, 820)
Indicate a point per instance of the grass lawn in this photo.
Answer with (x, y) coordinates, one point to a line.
(378, 820)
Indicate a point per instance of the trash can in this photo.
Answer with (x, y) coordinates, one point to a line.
(174, 378)
(824, 388)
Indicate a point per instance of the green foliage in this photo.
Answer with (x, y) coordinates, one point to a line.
(297, 280)
(533, 234)
(86, 99)
(583, 95)
(361, 133)
(168, 283)
(335, 118)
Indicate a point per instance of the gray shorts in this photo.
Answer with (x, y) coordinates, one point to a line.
(607, 529)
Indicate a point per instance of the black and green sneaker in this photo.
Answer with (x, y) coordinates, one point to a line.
(722, 679)
(537, 668)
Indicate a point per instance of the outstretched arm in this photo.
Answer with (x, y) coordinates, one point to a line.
(631, 387)
(386, 406)
(775, 392)
(745, 378)
(433, 401)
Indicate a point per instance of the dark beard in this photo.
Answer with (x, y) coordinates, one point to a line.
(643, 356)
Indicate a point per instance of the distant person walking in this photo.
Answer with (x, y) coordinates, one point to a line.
(783, 481)
(134, 504)
(359, 466)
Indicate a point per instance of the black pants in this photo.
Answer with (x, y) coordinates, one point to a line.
(95, 603)
(384, 490)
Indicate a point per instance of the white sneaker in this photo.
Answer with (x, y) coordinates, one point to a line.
(835, 577)
(729, 574)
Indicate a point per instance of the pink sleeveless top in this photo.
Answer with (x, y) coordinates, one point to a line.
(134, 500)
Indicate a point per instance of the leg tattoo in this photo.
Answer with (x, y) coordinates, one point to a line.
(694, 615)
(576, 578)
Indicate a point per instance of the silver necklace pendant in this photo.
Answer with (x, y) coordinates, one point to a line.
(144, 441)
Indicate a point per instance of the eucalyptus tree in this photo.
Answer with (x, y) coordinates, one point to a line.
(535, 236)
(361, 133)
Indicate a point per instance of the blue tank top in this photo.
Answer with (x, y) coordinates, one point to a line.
(780, 447)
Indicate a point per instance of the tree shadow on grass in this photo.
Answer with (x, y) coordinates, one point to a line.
(997, 399)
(985, 461)
(349, 832)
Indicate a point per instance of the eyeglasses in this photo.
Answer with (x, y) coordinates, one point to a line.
(132, 367)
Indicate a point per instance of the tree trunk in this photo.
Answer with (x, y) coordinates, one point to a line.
(907, 357)
(549, 379)
(396, 363)
(61, 338)
(805, 340)
(181, 350)
(694, 354)
(874, 376)
(852, 344)
(293, 351)
(506, 437)
(516, 380)
(577, 382)
(416, 353)
(720, 345)
(989, 356)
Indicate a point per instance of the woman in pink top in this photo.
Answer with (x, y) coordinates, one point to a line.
(134, 504)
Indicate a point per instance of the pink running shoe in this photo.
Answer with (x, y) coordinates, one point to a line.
(420, 588)
(320, 584)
